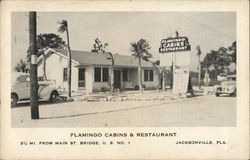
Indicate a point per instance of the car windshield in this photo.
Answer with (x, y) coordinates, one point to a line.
(18, 77)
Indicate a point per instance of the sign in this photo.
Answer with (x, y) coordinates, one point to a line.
(181, 78)
(174, 44)
(33, 59)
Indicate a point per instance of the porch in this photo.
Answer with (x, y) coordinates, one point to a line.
(123, 79)
(98, 79)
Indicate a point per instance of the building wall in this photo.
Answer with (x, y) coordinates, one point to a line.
(56, 63)
(151, 84)
(89, 78)
(74, 78)
(133, 76)
(97, 86)
(54, 71)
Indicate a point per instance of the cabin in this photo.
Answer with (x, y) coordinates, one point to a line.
(91, 71)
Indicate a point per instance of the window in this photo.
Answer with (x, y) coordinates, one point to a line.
(81, 77)
(151, 75)
(148, 75)
(23, 78)
(97, 74)
(65, 74)
(105, 74)
(125, 75)
(145, 75)
(81, 74)
(101, 74)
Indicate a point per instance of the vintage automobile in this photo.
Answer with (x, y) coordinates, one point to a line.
(227, 87)
(20, 89)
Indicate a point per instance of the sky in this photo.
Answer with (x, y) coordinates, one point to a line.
(210, 30)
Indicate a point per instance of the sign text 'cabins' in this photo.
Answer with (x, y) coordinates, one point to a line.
(174, 44)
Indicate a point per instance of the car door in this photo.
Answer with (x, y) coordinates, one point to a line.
(23, 86)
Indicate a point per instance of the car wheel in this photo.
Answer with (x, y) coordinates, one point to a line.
(14, 100)
(234, 94)
(53, 96)
(136, 87)
(217, 94)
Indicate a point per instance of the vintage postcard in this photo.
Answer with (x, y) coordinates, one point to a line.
(125, 80)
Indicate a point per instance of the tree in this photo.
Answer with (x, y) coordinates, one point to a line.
(140, 51)
(233, 50)
(45, 41)
(21, 66)
(98, 47)
(219, 61)
(48, 40)
(64, 28)
(199, 65)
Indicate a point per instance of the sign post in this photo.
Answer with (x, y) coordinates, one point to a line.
(175, 52)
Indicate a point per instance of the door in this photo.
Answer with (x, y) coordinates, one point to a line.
(22, 85)
(81, 78)
(117, 79)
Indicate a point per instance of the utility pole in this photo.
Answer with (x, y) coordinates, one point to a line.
(33, 67)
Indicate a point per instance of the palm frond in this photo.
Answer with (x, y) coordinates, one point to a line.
(63, 26)
(140, 49)
(21, 66)
(198, 50)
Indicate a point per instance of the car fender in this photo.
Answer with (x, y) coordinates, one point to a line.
(14, 91)
(46, 91)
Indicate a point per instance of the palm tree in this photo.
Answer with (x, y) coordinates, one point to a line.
(140, 51)
(205, 64)
(199, 65)
(21, 66)
(64, 28)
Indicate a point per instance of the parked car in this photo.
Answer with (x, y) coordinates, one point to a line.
(20, 89)
(227, 87)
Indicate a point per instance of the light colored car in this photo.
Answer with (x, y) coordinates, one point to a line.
(227, 87)
(20, 89)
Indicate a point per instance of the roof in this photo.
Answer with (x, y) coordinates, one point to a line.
(92, 58)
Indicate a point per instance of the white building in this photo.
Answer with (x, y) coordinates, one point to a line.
(90, 71)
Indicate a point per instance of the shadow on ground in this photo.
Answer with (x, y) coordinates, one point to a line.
(40, 103)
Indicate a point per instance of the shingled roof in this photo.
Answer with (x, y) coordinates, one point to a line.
(92, 58)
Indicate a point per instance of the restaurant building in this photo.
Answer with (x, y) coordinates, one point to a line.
(91, 71)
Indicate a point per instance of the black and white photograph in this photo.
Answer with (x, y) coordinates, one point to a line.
(129, 79)
(123, 69)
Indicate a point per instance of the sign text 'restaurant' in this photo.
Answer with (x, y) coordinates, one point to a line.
(174, 44)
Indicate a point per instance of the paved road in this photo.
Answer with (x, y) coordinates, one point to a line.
(191, 112)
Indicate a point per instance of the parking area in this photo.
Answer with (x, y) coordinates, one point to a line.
(180, 112)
